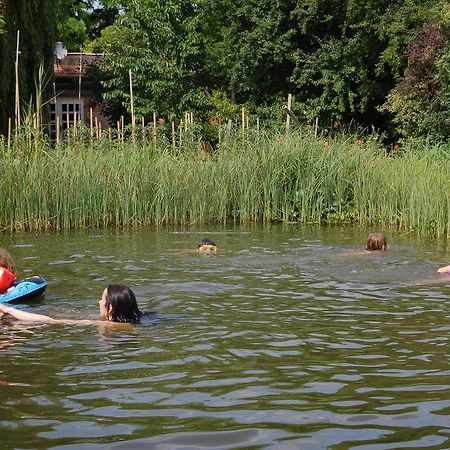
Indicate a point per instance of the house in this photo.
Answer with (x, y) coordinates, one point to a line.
(73, 92)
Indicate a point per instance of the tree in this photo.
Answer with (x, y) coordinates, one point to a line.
(158, 41)
(247, 45)
(420, 102)
(37, 40)
(349, 53)
(79, 22)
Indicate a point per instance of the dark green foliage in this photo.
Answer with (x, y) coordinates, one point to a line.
(37, 40)
(348, 54)
(420, 101)
(159, 42)
(79, 22)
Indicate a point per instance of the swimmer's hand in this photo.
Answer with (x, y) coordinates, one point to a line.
(445, 269)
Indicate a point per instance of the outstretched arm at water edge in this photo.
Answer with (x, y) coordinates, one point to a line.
(445, 269)
(117, 306)
(32, 317)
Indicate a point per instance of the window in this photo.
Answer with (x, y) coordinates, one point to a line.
(68, 110)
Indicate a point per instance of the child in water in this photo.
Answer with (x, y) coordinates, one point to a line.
(376, 241)
(206, 246)
(117, 305)
(7, 270)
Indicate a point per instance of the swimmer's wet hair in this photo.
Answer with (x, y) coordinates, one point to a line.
(206, 242)
(376, 241)
(6, 261)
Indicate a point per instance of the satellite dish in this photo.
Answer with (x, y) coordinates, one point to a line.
(60, 51)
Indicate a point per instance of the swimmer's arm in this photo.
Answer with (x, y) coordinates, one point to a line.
(32, 317)
(26, 316)
(445, 269)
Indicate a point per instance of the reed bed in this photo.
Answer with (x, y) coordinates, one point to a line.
(262, 176)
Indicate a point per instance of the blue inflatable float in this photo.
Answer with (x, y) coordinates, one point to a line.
(24, 290)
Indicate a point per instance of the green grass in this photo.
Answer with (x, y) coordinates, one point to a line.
(269, 176)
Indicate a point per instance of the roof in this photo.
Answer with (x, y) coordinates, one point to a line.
(70, 67)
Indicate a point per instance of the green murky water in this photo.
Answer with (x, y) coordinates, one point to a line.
(286, 339)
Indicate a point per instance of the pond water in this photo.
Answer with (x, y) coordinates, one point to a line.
(288, 338)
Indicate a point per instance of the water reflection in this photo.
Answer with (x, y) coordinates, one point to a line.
(282, 340)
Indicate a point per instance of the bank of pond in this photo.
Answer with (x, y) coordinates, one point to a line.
(266, 177)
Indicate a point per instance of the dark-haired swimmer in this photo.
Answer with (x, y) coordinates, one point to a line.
(376, 242)
(207, 246)
(117, 305)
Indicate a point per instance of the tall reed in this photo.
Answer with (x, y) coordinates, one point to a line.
(268, 176)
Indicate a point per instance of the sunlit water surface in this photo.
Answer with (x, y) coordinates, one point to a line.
(288, 338)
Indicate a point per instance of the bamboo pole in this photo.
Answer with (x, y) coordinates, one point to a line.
(316, 127)
(133, 119)
(96, 127)
(143, 130)
(289, 107)
(91, 131)
(118, 131)
(154, 129)
(68, 127)
(110, 137)
(79, 74)
(17, 96)
(9, 132)
(181, 132)
(173, 134)
(57, 129)
(75, 119)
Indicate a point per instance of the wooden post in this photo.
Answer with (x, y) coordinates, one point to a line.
(133, 119)
(96, 127)
(57, 129)
(9, 133)
(181, 132)
(68, 126)
(75, 134)
(154, 129)
(173, 134)
(118, 131)
(17, 96)
(143, 130)
(316, 128)
(288, 117)
(110, 136)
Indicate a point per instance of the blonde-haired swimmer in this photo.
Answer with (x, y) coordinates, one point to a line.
(207, 246)
(376, 241)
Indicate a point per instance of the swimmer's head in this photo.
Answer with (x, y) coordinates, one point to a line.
(118, 304)
(206, 246)
(376, 241)
(6, 261)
